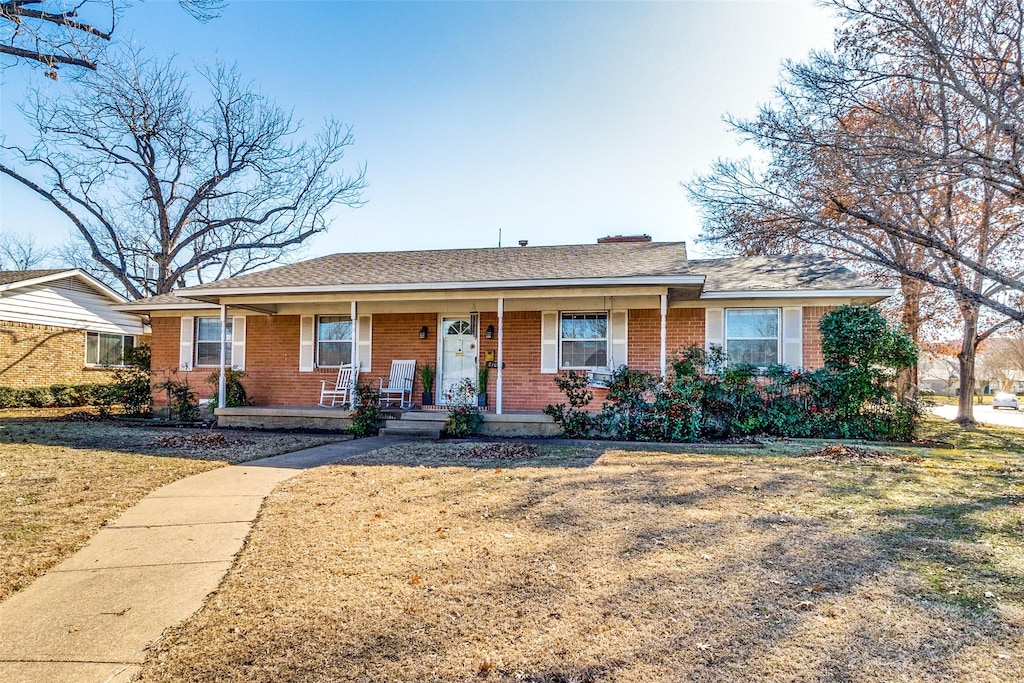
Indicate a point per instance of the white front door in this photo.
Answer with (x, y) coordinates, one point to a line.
(458, 354)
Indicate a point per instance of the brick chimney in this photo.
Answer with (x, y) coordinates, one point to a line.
(617, 239)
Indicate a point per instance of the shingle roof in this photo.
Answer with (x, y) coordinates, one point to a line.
(525, 264)
(634, 259)
(761, 273)
(8, 277)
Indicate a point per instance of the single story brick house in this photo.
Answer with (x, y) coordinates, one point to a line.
(60, 327)
(530, 312)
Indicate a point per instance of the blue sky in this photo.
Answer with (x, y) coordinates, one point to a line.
(557, 123)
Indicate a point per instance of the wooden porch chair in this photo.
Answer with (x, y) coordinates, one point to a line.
(343, 390)
(399, 384)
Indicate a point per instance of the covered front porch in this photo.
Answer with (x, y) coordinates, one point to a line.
(506, 424)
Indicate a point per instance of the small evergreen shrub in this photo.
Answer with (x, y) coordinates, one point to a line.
(366, 414)
(132, 383)
(234, 391)
(464, 416)
(181, 400)
(576, 423)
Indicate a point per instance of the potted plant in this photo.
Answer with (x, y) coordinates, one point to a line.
(481, 386)
(427, 377)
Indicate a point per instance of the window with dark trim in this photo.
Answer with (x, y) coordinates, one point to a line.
(752, 336)
(107, 349)
(208, 342)
(583, 340)
(334, 335)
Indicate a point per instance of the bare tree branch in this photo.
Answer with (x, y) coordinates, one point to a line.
(151, 177)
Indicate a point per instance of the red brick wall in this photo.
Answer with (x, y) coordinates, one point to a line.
(272, 348)
(813, 357)
(683, 327)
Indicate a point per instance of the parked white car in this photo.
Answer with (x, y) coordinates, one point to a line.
(1005, 400)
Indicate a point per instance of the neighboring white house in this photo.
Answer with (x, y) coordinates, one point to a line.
(58, 327)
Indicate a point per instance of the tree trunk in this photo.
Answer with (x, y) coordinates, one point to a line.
(907, 383)
(966, 357)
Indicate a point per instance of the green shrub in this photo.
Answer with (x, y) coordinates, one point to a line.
(10, 397)
(463, 413)
(181, 400)
(853, 396)
(366, 414)
(132, 386)
(576, 423)
(628, 411)
(37, 397)
(234, 391)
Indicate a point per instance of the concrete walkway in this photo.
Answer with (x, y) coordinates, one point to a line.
(91, 617)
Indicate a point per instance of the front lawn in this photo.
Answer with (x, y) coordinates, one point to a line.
(442, 563)
(61, 480)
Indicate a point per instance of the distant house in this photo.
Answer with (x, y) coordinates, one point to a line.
(529, 313)
(58, 327)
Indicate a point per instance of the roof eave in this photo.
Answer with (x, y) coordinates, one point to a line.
(661, 280)
(71, 272)
(876, 293)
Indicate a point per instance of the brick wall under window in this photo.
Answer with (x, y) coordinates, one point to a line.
(41, 355)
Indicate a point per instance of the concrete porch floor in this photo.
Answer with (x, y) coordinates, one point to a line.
(509, 423)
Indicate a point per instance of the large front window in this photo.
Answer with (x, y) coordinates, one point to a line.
(584, 340)
(208, 342)
(107, 349)
(752, 336)
(333, 341)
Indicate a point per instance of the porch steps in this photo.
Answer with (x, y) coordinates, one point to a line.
(411, 425)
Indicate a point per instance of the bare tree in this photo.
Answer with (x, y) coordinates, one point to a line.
(70, 32)
(866, 158)
(166, 191)
(21, 253)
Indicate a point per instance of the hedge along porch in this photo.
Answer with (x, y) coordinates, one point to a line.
(586, 307)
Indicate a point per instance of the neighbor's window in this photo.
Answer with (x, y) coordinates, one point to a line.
(334, 340)
(752, 336)
(208, 342)
(583, 339)
(107, 349)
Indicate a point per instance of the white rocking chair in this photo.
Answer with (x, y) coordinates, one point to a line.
(399, 385)
(344, 388)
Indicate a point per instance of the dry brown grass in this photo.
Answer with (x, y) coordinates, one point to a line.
(61, 481)
(420, 564)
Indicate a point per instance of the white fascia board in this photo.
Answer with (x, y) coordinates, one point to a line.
(74, 272)
(140, 308)
(663, 280)
(799, 293)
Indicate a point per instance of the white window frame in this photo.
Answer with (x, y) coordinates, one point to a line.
(606, 339)
(97, 364)
(726, 338)
(197, 342)
(317, 340)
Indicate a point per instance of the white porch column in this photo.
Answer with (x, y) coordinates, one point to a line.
(664, 333)
(222, 382)
(355, 355)
(501, 354)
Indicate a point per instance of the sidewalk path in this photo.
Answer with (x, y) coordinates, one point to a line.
(91, 617)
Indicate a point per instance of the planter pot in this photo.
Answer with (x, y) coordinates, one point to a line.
(481, 400)
(428, 398)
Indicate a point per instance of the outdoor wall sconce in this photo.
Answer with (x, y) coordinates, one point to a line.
(423, 332)
(490, 332)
